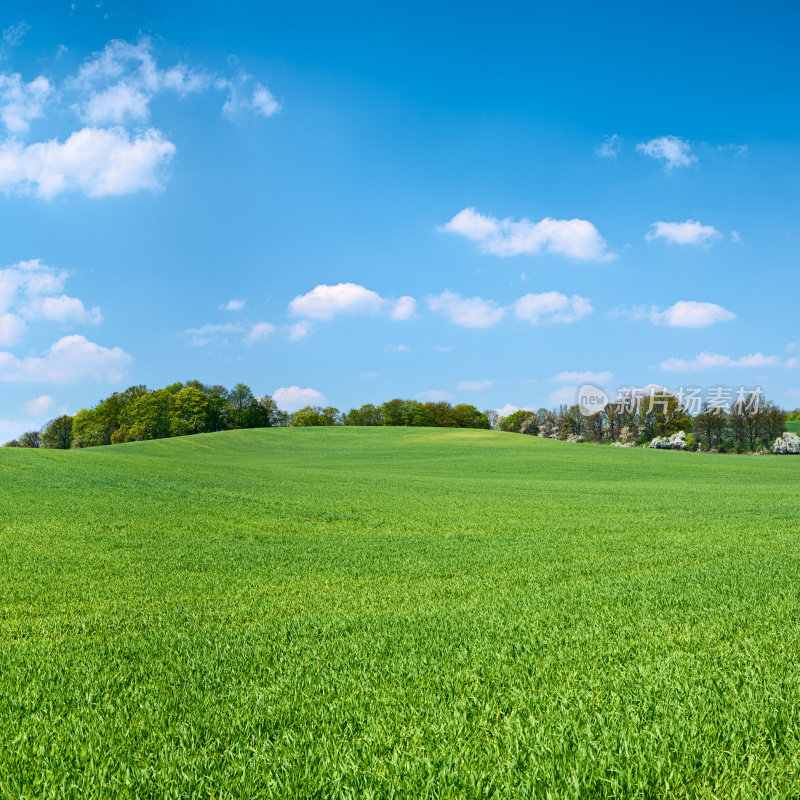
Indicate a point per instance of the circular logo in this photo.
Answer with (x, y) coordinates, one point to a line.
(591, 399)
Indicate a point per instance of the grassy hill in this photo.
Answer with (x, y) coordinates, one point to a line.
(794, 426)
(418, 612)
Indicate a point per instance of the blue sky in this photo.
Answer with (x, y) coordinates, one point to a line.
(344, 203)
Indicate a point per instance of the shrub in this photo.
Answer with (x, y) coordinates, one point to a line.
(675, 442)
(787, 445)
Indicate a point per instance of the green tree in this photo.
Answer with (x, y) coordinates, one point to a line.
(514, 421)
(191, 410)
(30, 439)
(240, 401)
(89, 430)
(153, 415)
(314, 416)
(57, 434)
(366, 415)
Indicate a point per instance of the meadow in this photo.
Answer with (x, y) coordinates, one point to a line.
(398, 612)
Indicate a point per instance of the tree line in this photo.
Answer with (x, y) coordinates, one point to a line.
(742, 428)
(181, 409)
(138, 414)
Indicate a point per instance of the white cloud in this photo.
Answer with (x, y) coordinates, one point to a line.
(290, 398)
(735, 238)
(233, 305)
(403, 308)
(11, 429)
(474, 386)
(39, 405)
(243, 94)
(116, 105)
(63, 309)
(689, 232)
(27, 279)
(12, 329)
(299, 330)
(551, 307)
(672, 151)
(575, 238)
(792, 346)
(29, 289)
(443, 348)
(610, 147)
(325, 302)
(691, 314)
(707, 361)
(206, 334)
(398, 348)
(121, 80)
(221, 333)
(583, 377)
(434, 396)
(470, 312)
(791, 363)
(96, 162)
(70, 360)
(259, 332)
(508, 409)
(14, 34)
(568, 395)
(22, 102)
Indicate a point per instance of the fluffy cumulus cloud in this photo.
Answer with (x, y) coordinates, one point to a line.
(21, 102)
(290, 398)
(118, 84)
(325, 302)
(12, 329)
(474, 386)
(601, 378)
(32, 290)
(574, 238)
(691, 314)
(566, 395)
(403, 308)
(258, 332)
(70, 360)
(233, 305)
(39, 405)
(97, 162)
(111, 94)
(708, 361)
(689, 232)
(469, 312)
(671, 151)
(536, 309)
(510, 408)
(298, 330)
(551, 307)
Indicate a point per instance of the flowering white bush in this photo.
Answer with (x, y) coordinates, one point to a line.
(787, 445)
(675, 442)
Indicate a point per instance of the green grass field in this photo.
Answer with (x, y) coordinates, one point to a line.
(794, 426)
(394, 612)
